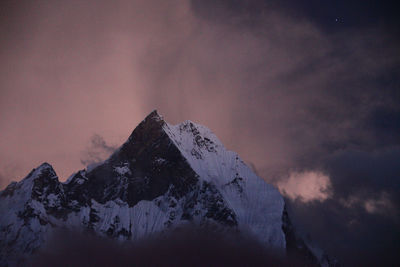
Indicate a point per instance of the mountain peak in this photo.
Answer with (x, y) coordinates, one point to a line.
(147, 130)
(154, 115)
(45, 166)
(45, 170)
(163, 176)
(151, 123)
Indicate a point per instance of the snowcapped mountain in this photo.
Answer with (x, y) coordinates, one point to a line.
(162, 177)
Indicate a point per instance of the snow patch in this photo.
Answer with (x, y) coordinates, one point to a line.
(122, 170)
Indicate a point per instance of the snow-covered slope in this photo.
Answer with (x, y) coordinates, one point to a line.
(257, 205)
(162, 177)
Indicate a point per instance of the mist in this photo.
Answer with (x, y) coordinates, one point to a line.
(184, 246)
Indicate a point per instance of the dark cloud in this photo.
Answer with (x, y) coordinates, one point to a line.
(335, 106)
(384, 122)
(362, 214)
(181, 247)
(97, 151)
(329, 16)
(375, 171)
(354, 236)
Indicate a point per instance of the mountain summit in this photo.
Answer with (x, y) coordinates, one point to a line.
(162, 177)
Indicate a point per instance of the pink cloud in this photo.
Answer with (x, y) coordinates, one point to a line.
(306, 186)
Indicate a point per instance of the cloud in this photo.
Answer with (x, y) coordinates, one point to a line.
(380, 205)
(293, 90)
(185, 246)
(97, 151)
(362, 212)
(358, 174)
(306, 186)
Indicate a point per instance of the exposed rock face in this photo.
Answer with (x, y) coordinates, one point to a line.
(163, 176)
(135, 172)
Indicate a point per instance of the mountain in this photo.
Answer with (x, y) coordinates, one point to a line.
(162, 177)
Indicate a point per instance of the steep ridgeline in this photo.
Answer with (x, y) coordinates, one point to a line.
(163, 176)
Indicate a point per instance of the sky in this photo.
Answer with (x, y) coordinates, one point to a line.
(307, 92)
